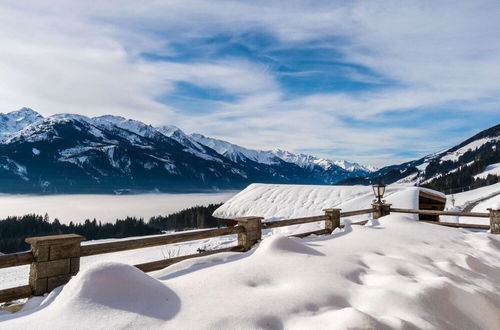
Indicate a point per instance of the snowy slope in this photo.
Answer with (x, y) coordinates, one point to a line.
(236, 153)
(493, 169)
(481, 199)
(394, 273)
(465, 198)
(16, 120)
(191, 145)
(450, 164)
(74, 153)
(454, 155)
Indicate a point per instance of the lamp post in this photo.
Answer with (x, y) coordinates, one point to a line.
(379, 190)
(380, 208)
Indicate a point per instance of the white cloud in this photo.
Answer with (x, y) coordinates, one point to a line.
(84, 57)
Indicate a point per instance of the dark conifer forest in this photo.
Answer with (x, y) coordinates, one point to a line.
(14, 230)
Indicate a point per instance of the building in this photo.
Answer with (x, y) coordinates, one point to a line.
(281, 201)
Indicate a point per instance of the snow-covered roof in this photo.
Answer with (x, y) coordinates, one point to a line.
(280, 201)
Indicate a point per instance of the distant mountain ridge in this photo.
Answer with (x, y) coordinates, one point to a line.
(456, 169)
(68, 153)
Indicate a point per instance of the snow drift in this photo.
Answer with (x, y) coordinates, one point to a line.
(393, 273)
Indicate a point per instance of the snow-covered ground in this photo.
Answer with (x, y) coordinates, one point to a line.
(485, 197)
(105, 208)
(493, 169)
(276, 202)
(17, 276)
(392, 273)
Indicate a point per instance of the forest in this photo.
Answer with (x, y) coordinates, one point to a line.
(14, 230)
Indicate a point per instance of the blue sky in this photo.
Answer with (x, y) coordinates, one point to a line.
(377, 82)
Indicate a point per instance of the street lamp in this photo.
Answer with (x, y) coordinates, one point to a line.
(378, 190)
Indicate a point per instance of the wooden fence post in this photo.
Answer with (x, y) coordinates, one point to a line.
(381, 209)
(57, 258)
(334, 219)
(252, 233)
(494, 221)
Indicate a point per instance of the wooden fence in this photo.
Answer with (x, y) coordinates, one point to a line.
(55, 259)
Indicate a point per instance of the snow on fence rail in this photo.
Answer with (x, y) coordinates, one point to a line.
(55, 259)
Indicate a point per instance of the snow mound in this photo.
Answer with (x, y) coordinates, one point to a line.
(109, 286)
(396, 274)
(280, 244)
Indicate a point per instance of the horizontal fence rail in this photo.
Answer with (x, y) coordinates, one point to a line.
(458, 225)
(55, 259)
(436, 212)
(100, 248)
(291, 222)
(160, 264)
(358, 212)
(16, 259)
(15, 293)
(314, 232)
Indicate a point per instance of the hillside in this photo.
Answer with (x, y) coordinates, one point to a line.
(468, 165)
(68, 153)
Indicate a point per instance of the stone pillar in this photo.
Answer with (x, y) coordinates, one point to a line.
(252, 233)
(334, 219)
(57, 258)
(494, 221)
(381, 209)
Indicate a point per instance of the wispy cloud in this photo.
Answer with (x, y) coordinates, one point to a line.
(363, 80)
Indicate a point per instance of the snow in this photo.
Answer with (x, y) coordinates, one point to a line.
(236, 153)
(15, 167)
(394, 273)
(455, 155)
(16, 120)
(130, 125)
(487, 197)
(281, 201)
(27, 125)
(271, 157)
(493, 169)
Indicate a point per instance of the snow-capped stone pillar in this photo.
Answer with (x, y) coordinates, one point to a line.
(252, 233)
(381, 209)
(494, 221)
(57, 259)
(334, 219)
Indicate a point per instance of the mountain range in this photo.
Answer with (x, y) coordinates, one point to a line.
(68, 153)
(474, 162)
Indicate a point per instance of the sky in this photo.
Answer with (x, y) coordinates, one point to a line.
(376, 82)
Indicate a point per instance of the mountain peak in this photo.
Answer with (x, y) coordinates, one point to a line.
(24, 111)
(15, 121)
(170, 130)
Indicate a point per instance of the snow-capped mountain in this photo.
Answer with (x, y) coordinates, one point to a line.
(339, 168)
(448, 169)
(16, 120)
(74, 153)
(305, 160)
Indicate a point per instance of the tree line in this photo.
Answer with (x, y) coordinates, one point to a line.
(462, 179)
(15, 229)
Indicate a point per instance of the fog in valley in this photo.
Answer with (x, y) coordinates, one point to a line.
(105, 208)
